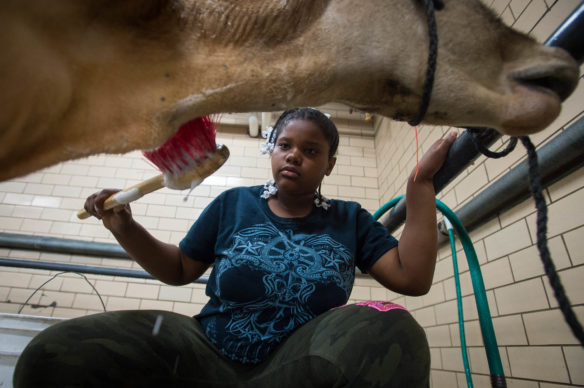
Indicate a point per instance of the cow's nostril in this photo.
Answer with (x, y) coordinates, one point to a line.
(559, 80)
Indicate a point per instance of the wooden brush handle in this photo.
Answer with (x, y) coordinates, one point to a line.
(128, 195)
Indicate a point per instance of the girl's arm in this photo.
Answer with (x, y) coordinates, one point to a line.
(165, 262)
(409, 268)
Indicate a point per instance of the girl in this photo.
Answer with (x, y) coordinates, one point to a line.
(284, 261)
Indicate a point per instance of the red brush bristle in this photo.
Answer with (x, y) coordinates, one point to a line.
(189, 146)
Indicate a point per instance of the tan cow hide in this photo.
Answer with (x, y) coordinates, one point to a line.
(81, 77)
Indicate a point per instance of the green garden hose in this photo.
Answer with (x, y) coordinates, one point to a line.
(461, 331)
(487, 330)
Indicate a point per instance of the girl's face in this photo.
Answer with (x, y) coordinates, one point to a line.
(300, 159)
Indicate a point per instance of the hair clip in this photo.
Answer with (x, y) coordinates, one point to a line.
(270, 189)
(268, 146)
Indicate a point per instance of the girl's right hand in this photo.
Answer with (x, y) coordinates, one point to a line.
(117, 219)
(434, 158)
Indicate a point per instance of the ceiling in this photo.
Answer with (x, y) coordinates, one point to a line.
(347, 120)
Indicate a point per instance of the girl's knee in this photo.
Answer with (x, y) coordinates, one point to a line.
(378, 342)
(376, 323)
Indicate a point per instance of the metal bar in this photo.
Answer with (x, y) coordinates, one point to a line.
(460, 155)
(62, 245)
(569, 35)
(558, 158)
(129, 273)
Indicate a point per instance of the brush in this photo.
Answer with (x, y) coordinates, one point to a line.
(185, 160)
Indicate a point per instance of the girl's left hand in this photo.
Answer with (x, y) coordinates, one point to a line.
(434, 158)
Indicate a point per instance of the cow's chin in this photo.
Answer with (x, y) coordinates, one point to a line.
(529, 110)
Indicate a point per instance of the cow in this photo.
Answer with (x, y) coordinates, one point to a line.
(105, 76)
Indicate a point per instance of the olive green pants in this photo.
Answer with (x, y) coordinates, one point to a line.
(352, 346)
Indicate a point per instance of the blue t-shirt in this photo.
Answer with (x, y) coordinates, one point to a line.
(273, 274)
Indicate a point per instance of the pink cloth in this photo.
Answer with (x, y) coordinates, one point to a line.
(378, 305)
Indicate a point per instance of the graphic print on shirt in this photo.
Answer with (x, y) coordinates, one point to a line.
(293, 265)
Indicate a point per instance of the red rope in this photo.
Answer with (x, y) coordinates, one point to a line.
(417, 147)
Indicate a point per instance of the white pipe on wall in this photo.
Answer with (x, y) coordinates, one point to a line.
(253, 126)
